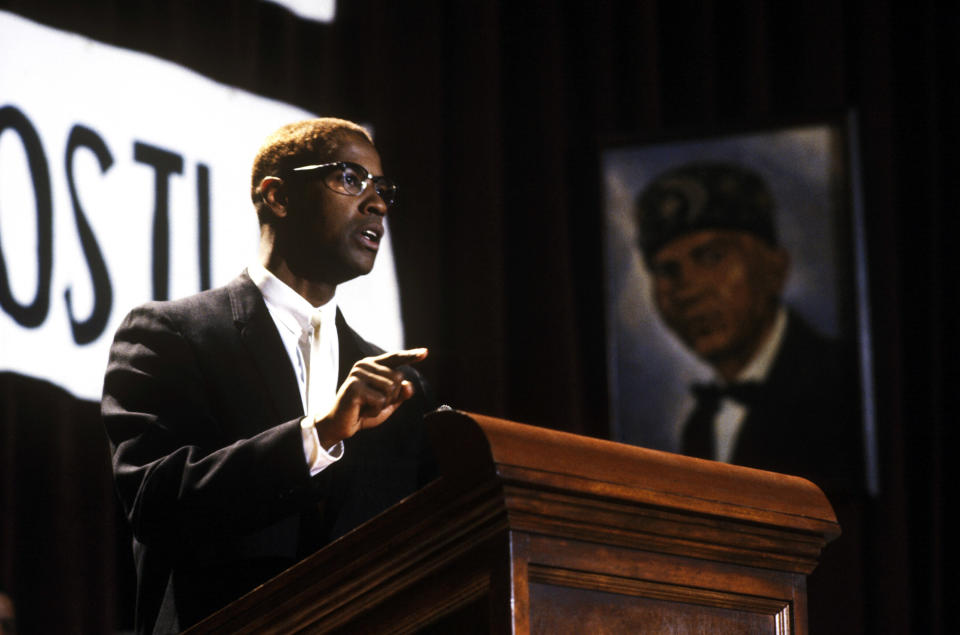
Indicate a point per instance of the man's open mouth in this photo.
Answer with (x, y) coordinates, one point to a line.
(371, 235)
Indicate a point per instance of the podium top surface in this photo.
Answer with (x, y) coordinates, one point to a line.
(468, 443)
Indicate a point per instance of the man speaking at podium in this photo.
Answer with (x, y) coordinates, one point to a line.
(250, 425)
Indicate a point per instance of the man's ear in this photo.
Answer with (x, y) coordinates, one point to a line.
(274, 194)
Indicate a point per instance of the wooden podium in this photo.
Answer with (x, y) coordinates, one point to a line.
(530, 530)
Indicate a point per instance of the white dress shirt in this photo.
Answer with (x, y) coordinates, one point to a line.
(291, 313)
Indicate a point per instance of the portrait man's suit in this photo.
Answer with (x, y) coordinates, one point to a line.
(804, 419)
(202, 409)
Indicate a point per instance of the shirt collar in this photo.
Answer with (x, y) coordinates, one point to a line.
(290, 307)
(759, 366)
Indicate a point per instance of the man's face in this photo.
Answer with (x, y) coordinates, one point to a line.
(330, 236)
(718, 290)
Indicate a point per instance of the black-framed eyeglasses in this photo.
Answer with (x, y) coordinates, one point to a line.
(345, 177)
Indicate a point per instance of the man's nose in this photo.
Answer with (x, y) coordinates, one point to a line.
(373, 204)
(688, 286)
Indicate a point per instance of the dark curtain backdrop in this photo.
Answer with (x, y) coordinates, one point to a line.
(492, 116)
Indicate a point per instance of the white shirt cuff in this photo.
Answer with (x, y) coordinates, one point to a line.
(317, 458)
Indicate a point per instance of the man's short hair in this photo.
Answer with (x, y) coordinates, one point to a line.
(703, 195)
(302, 143)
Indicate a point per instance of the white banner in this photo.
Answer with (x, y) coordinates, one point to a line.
(125, 178)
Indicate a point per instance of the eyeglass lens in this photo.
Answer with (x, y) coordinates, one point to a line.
(350, 178)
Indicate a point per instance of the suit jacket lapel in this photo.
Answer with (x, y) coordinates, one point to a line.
(259, 334)
(352, 348)
(764, 427)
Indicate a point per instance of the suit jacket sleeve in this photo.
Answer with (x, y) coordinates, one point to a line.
(182, 471)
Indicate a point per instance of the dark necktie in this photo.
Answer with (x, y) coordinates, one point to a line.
(698, 438)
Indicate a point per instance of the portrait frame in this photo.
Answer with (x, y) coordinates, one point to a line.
(812, 170)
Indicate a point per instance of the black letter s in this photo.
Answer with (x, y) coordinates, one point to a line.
(90, 329)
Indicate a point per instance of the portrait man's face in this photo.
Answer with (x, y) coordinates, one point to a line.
(718, 290)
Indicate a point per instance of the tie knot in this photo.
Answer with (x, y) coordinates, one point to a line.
(315, 320)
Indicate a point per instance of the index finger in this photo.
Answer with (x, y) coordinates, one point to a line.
(399, 358)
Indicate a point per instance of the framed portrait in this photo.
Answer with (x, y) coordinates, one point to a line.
(810, 171)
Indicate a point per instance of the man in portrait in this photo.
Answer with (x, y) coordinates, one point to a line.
(784, 396)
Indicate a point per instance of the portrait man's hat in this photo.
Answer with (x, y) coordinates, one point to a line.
(703, 195)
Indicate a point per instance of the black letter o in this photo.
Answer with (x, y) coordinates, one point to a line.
(33, 314)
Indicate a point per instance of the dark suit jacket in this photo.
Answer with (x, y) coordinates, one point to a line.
(202, 410)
